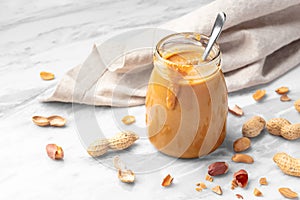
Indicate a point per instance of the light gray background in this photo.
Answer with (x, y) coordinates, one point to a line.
(57, 35)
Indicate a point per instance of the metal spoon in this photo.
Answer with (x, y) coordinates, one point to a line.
(217, 28)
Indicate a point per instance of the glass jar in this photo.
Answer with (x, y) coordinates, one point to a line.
(186, 101)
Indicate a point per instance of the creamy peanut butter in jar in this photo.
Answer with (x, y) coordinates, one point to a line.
(186, 102)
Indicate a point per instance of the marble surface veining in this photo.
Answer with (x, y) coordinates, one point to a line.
(57, 35)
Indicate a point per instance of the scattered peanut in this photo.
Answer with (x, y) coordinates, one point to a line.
(129, 119)
(40, 121)
(297, 105)
(119, 142)
(263, 181)
(257, 192)
(55, 152)
(167, 181)
(209, 178)
(125, 175)
(56, 120)
(258, 95)
(98, 148)
(241, 144)
(198, 189)
(285, 97)
(53, 120)
(291, 132)
(122, 140)
(236, 110)
(217, 190)
(288, 193)
(47, 76)
(217, 168)
(241, 178)
(242, 158)
(287, 164)
(253, 127)
(274, 125)
(282, 90)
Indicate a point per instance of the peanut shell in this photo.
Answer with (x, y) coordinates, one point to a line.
(40, 121)
(122, 140)
(56, 120)
(253, 127)
(274, 125)
(291, 132)
(287, 164)
(98, 147)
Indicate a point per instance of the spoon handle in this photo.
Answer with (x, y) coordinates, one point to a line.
(217, 28)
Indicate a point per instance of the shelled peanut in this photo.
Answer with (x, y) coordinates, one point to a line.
(287, 164)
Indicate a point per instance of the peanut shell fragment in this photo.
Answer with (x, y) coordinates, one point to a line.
(236, 110)
(263, 181)
(46, 76)
(241, 144)
(287, 164)
(217, 190)
(125, 175)
(241, 178)
(282, 90)
(167, 181)
(253, 127)
(258, 95)
(56, 120)
(40, 121)
(288, 193)
(242, 158)
(209, 178)
(239, 196)
(257, 192)
(129, 119)
(54, 152)
(285, 97)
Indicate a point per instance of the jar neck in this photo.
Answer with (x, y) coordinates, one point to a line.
(179, 57)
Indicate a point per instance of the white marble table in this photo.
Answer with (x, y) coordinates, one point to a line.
(55, 36)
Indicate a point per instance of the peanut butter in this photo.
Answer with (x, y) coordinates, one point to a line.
(186, 113)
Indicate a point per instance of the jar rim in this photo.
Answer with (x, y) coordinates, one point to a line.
(184, 34)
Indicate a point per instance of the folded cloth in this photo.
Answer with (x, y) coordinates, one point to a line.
(260, 42)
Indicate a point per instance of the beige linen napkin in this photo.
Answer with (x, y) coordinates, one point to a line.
(260, 42)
